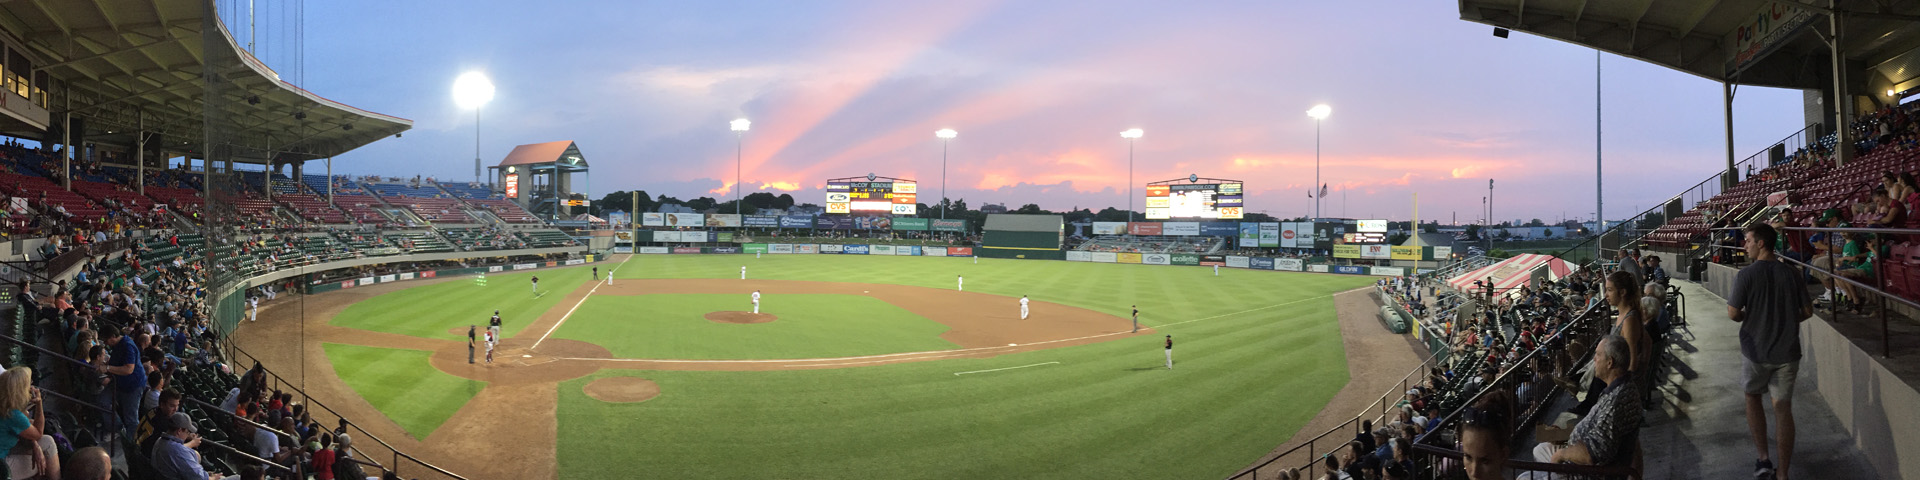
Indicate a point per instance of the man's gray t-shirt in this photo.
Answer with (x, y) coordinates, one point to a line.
(1773, 295)
(1632, 265)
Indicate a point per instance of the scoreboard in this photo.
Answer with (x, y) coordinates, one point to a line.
(895, 197)
(1224, 201)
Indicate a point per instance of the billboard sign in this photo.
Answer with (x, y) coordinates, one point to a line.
(1127, 258)
(880, 250)
(1442, 253)
(513, 185)
(1346, 251)
(806, 248)
(917, 224)
(834, 222)
(1370, 226)
(686, 250)
(1109, 228)
(832, 248)
(753, 247)
(1249, 234)
(1407, 253)
(1377, 252)
(686, 220)
(723, 220)
(653, 219)
(1104, 257)
(1181, 228)
(933, 251)
(697, 237)
(780, 248)
(760, 221)
(1350, 269)
(666, 236)
(796, 221)
(1156, 259)
(856, 249)
(1221, 229)
(1260, 263)
(948, 225)
(872, 223)
(1144, 228)
(726, 249)
(959, 251)
(1079, 256)
(1224, 201)
(1187, 259)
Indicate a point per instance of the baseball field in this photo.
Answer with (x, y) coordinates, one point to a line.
(857, 366)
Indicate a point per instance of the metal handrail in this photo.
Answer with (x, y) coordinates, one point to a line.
(1556, 468)
(1577, 321)
(203, 404)
(266, 464)
(1886, 331)
(1422, 367)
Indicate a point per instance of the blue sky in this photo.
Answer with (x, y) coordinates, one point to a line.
(1423, 102)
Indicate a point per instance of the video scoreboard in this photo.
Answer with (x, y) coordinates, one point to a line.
(873, 196)
(1223, 200)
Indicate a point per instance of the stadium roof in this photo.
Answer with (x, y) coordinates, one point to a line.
(1698, 36)
(539, 153)
(125, 64)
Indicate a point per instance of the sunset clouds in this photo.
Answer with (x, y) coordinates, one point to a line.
(1039, 91)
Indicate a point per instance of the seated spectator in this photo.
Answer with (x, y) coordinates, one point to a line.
(91, 463)
(1486, 432)
(1858, 265)
(1609, 434)
(175, 455)
(30, 449)
(1887, 213)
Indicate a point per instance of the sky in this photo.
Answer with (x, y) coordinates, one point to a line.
(1423, 102)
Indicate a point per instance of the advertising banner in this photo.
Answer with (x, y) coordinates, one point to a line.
(388, 278)
(1289, 235)
(780, 248)
(1260, 263)
(1188, 259)
(525, 266)
(760, 221)
(917, 224)
(429, 274)
(1104, 257)
(754, 248)
(1350, 269)
(406, 276)
(832, 248)
(1388, 271)
(666, 236)
(856, 249)
(1236, 261)
(959, 251)
(654, 219)
(346, 284)
(695, 237)
(685, 250)
(496, 269)
(1407, 253)
(1144, 228)
(1442, 253)
(1180, 228)
(1324, 233)
(726, 249)
(1370, 226)
(880, 250)
(627, 249)
(796, 221)
(686, 220)
(1109, 228)
(1220, 229)
(1079, 256)
(1249, 234)
(806, 248)
(1211, 260)
(949, 225)
(907, 250)
(366, 281)
(933, 251)
(576, 262)
(723, 220)
(1346, 251)
(1127, 257)
(723, 237)
(1317, 268)
(1157, 259)
(834, 222)
(1378, 252)
(872, 223)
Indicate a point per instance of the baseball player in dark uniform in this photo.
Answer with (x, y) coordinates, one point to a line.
(493, 324)
(596, 272)
(1169, 352)
(470, 335)
(1136, 318)
(536, 284)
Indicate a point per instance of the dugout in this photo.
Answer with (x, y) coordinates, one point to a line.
(1037, 237)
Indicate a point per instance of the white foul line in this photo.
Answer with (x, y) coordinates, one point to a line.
(576, 305)
(1008, 368)
(804, 362)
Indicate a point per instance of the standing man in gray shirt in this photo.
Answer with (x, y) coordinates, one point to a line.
(1630, 263)
(1769, 299)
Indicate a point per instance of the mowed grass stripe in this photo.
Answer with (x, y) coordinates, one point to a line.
(1244, 382)
(673, 326)
(431, 311)
(402, 385)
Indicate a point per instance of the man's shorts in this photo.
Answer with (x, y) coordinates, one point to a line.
(1776, 379)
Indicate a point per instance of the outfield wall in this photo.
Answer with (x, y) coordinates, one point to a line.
(1188, 259)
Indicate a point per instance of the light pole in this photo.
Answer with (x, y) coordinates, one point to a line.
(1130, 135)
(472, 90)
(1319, 113)
(739, 139)
(946, 135)
(1489, 213)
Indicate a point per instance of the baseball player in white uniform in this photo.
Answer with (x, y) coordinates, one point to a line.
(1216, 270)
(743, 272)
(254, 315)
(961, 283)
(756, 302)
(1023, 307)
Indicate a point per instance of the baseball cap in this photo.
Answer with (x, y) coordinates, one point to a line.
(180, 420)
(1653, 258)
(1830, 214)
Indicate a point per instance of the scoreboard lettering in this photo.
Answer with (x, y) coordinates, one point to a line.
(873, 196)
(1224, 201)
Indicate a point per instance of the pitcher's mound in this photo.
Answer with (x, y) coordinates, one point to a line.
(623, 389)
(740, 317)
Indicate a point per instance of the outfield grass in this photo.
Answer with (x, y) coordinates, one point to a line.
(1260, 356)
(810, 326)
(402, 385)
(431, 311)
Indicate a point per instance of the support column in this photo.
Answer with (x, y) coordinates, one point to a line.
(329, 179)
(1726, 105)
(140, 156)
(1842, 106)
(66, 147)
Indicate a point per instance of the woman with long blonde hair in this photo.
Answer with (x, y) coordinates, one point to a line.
(30, 451)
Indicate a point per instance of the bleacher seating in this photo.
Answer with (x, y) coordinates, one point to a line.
(545, 238)
(314, 208)
(390, 190)
(505, 209)
(436, 210)
(468, 190)
(479, 238)
(361, 208)
(35, 188)
(420, 242)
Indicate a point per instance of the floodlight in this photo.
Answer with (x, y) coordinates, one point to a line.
(1132, 133)
(1320, 112)
(739, 125)
(472, 90)
(946, 133)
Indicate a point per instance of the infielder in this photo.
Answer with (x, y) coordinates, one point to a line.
(1023, 307)
(536, 284)
(596, 272)
(743, 272)
(756, 302)
(1169, 352)
(962, 282)
(1136, 318)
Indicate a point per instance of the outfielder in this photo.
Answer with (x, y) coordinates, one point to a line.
(962, 282)
(1216, 270)
(756, 302)
(1023, 307)
(1169, 352)
(743, 272)
(536, 284)
(1136, 318)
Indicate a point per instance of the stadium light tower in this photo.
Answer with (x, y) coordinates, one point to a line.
(946, 135)
(1130, 135)
(1319, 113)
(739, 139)
(473, 90)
